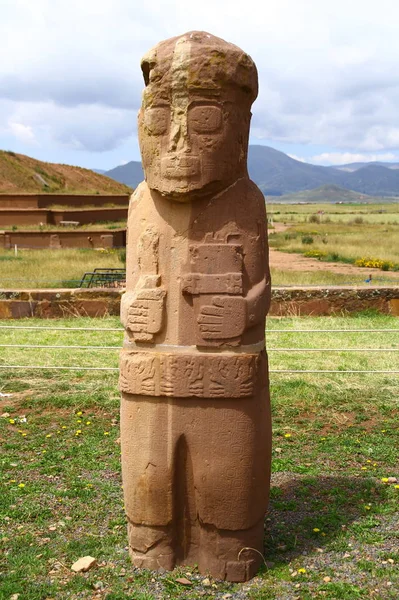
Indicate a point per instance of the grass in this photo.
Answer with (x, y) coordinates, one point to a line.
(370, 213)
(332, 514)
(53, 268)
(327, 278)
(339, 233)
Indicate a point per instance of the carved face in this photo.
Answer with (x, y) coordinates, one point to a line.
(193, 134)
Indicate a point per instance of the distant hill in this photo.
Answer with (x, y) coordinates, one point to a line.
(22, 174)
(130, 174)
(350, 167)
(277, 174)
(329, 193)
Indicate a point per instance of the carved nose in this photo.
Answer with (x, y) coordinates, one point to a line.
(179, 140)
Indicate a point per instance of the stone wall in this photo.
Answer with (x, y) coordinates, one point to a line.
(35, 216)
(285, 302)
(70, 238)
(76, 200)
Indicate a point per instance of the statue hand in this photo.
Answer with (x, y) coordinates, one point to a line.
(225, 318)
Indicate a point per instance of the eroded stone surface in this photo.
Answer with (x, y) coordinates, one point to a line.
(195, 415)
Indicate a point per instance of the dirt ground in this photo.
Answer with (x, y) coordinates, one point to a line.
(286, 261)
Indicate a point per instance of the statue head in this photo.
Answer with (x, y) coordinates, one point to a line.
(195, 115)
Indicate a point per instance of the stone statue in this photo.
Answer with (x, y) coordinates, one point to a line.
(195, 415)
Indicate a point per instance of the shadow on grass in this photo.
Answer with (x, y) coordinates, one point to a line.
(307, 512)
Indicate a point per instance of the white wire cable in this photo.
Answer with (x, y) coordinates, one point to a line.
(43, 347)
(286, 371)
(119, 329)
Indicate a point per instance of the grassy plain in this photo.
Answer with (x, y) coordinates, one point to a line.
(339, 233)
(53, 268)
(332, 528)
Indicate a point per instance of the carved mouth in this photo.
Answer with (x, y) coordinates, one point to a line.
(180, 167)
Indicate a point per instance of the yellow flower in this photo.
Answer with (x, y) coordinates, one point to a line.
(21, 485)
(12, 481)
(44, 451)
(384, 479)
(79, 414)
(396, 487)
(24, 434)
(64, 427)
(367, 507)
(302, 570)
(288, 435)
(12, 421)
(316, 529)
(78, 432)
(106, 432)
(49, 435)
(88, 422)
(364, 468)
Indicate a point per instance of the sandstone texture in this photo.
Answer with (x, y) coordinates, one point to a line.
(195, 412)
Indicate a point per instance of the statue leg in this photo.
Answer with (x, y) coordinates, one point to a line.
(231, 450)
(147, 473)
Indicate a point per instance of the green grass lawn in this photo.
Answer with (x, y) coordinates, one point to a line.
(332, 530)
(32, 269)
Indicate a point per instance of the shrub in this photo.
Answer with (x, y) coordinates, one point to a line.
(376, 263)
(315, 254)
(307, 239)
(314, 219)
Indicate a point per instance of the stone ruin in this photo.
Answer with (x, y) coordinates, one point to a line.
(195, 412)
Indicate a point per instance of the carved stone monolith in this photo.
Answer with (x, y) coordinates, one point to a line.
(195, 414)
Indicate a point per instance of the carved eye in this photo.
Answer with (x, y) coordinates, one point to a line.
(156, 120)
(205, 119)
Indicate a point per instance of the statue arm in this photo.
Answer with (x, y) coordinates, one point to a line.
(258, 301)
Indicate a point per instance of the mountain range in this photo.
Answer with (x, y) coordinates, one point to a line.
(277, 174)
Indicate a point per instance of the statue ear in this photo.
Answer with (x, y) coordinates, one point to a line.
(145, 67)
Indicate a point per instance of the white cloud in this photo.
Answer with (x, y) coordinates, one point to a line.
(22, 132)
(343, 158)
(328, 71)
(295, 157)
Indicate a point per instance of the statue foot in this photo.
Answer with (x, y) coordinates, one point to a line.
(151, 547)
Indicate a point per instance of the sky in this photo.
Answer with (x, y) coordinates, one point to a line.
(70, 78)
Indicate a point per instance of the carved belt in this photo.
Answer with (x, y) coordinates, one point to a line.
(184, 375)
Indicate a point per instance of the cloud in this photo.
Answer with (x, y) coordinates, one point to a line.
(22, 132)
(295, 157)
(343, 158)
(328, 71)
